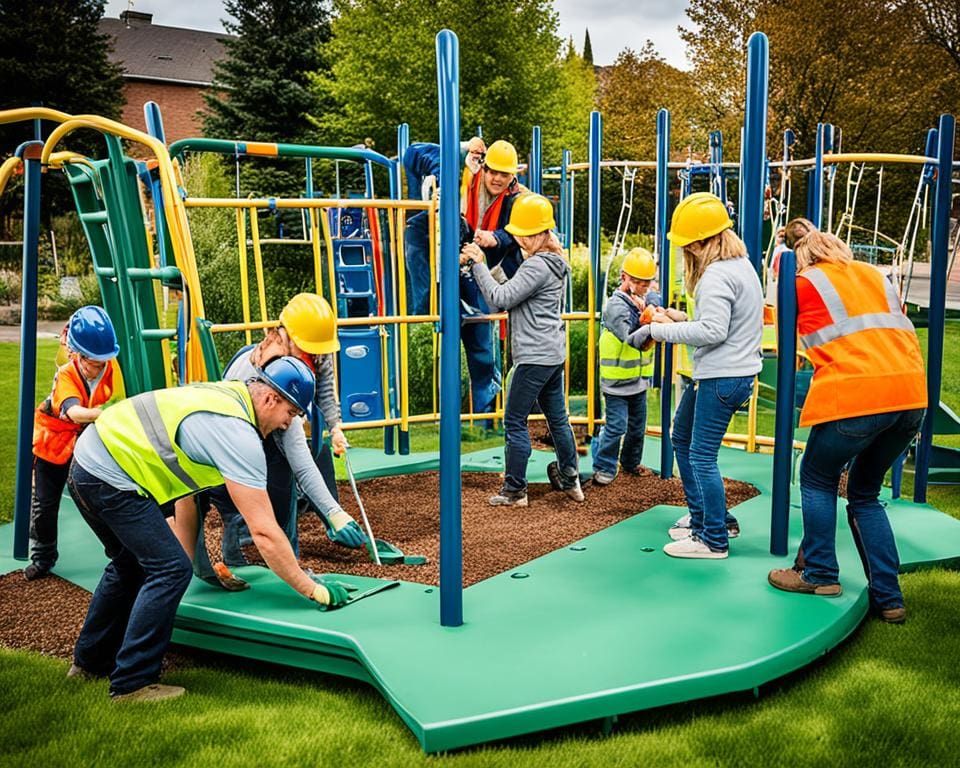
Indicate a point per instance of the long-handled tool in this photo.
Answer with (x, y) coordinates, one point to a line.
(363, 513)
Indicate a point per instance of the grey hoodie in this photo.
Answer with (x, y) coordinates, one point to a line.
(728, 322)
(532, 297)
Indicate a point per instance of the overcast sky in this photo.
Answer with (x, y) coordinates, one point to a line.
(613, 24)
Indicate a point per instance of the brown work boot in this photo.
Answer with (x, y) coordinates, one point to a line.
(154, 692)
(791, 580)
(894, 615)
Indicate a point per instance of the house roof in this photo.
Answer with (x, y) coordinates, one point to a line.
(150, 51)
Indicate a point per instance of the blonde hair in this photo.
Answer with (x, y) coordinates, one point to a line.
(817, 246)
(540, 242)
(795, 230)
(700, 254)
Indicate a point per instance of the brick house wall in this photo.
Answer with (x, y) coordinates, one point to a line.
(179, 106)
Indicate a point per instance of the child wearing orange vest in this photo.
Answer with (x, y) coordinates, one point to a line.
(80, 387)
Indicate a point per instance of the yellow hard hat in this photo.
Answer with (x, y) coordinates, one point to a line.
(639, 264)
(501, 156)
(697, 217)
(309, 322)
(531, 215)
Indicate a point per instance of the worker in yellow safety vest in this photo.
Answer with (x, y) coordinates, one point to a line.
(129, 468)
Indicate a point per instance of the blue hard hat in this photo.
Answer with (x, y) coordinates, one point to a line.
(291, 378)
(91, 333)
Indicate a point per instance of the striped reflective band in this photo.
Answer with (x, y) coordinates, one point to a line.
(152, 421)
(843, 324)
(616, 362)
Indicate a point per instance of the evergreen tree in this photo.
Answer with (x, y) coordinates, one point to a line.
(261, 89)
(587, 49)
(53, 55)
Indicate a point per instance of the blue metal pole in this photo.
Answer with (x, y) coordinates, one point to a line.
(451, 543)
(535, 171)
(752, 171)
(663, 248)
(718, 181)
(939, 236)
(29, 153)
(403, 142)
(815, 212)
(786, 390)
(593, 235)
(566, 204)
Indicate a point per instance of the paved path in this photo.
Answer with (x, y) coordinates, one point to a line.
(46, 329)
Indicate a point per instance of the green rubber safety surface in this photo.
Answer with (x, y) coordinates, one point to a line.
(604, 626)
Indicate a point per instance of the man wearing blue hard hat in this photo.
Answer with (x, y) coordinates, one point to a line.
(141, 456)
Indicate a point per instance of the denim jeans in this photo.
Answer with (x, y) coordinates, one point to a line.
(871, 444)
(280, 489)
(130, 619)
(625, 415)
(531, 384)
(48, 482)
(477, 339)
(416, 250)
(701, 419)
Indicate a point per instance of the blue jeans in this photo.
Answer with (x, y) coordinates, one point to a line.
(871, 444)
(477, 339)
(625, 415)
(416, 253)
(702, 417)
(130, 619)
(531, 384)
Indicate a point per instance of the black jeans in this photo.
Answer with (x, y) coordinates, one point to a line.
(48, 482)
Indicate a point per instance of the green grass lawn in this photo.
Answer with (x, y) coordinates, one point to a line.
(887, 696)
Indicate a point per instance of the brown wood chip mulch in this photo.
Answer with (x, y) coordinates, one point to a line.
(46, 615)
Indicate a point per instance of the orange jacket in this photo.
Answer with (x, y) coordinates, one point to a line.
(864, 350)
(54, 436)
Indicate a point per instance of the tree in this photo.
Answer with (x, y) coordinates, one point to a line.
(587, 48)
(52, 54)
(261, 89)
(512, 74)
(940, 24)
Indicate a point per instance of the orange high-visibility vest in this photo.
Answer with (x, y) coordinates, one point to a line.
(864, 350)
(54, 436)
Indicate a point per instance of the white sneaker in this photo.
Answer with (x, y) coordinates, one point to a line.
(575, 492)
(676, 532)
(693, 548)
(681, 528)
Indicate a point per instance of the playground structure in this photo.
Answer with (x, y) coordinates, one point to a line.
(359, 265)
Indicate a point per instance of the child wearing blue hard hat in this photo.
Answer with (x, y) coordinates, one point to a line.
(80, 388)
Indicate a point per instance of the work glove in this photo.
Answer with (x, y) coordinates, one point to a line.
(639, 337)
(343, 529)
(329, 595)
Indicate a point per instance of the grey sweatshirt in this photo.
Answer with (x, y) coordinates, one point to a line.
(728, 323)
(532, 297)
(293, 440)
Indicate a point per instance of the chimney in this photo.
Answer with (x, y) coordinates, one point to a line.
(135, 18)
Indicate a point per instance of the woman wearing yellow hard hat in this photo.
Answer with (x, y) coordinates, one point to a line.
(308, 332)
(532, 298)
(726, 338)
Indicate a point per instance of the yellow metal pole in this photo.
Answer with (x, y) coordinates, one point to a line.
(401, 284)
(315, 246)
(258, 263)
(244, 279)
(752, 418)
